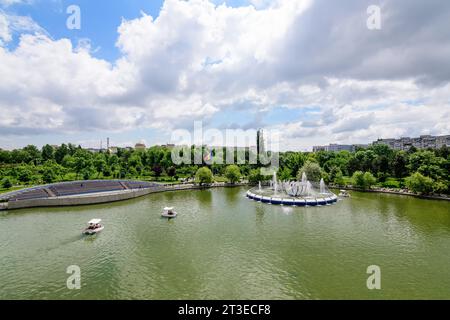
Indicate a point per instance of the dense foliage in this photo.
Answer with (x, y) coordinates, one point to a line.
(421, 171)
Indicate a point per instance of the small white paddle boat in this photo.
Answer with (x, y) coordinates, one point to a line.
(169, 213)
(94, 227)
(344, 194)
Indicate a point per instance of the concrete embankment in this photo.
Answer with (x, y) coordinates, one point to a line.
(394, 191)
(80, 200)
(98, 198)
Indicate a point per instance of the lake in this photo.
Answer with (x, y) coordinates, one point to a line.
(225, 246)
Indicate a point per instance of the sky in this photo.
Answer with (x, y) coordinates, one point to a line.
(138, 70)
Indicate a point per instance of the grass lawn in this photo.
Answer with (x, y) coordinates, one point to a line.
(3, 190)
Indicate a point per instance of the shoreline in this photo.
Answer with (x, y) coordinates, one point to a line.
(115, 196)
(393, 191)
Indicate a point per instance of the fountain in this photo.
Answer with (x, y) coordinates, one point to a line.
(322, 186)
(296, 193)
(275, 182)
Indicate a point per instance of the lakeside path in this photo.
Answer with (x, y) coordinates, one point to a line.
(401, 192)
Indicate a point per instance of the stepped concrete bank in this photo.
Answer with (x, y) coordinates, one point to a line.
(100, 197)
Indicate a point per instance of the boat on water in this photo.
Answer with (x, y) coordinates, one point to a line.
(93, 227)
(169, 213)
(344, 194)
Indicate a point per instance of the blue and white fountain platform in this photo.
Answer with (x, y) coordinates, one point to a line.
(298, 193)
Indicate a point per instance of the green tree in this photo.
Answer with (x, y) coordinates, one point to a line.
(6, 183)
(312, 170)
(284, 174)
(157, 170)
(171, 171)
(399, 164)
(336, 176)
(82, 160)
(369, 180)
(363, 180)
(204, 176)
(428, 164)
(419, 183)
(24, 174)
(233, 173)
(292, 160)
(48, 176)
(31, 154)
(358, 178)
(100, 163)
(255, 176)
(48, 153)
(107, 172)
(60, 153)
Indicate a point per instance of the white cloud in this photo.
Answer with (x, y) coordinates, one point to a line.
(197, 58)
(7, 3)
(11, 24)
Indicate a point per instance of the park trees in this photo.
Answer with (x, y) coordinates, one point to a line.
(419, 183)
(255, 176)
(172, 171)
(363, 180)
(48, 153)
(312, 171)
(233, 173)
(100, 163)
(60, 153)
(284, 174)
(204, 176)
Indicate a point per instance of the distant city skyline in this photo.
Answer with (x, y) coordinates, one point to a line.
(400, 143)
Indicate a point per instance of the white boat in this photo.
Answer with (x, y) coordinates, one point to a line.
(169, 213)
(344, 194)
(94, 227)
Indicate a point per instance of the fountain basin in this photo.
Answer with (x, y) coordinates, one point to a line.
(293, 193)
(286, 200)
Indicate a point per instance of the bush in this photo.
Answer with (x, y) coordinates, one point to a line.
(369, 180)
(363, 180)
(48, 176)
(6, 183)
(419, 183)
(339, 179)
(24, 174)
(391, 183)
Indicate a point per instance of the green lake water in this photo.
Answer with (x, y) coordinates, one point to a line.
(224, 246)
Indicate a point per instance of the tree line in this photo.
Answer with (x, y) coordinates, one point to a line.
(421, 171)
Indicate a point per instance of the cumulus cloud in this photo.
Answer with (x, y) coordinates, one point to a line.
(198, 58)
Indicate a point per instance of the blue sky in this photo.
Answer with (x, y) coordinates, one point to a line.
(100, 20)
(286, 65)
